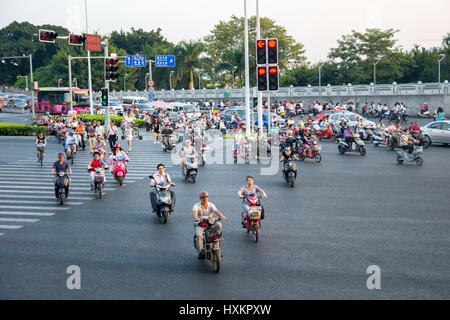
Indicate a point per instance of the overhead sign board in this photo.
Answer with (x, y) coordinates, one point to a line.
(93, 42)
(135, 61)
(165, 61)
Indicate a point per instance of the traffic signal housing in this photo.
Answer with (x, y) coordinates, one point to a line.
(48, 36)
(261, 51)
(272, 51)
(76, 39)
(261, 73)
(273, 78)
(105, 93)
(111, 69)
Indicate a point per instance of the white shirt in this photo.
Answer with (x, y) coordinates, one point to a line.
(202, 212)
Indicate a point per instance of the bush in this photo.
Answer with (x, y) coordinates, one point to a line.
(117, 120)
(10, 129)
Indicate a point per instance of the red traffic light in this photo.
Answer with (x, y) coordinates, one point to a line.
(262, 71)
(47, 36)
(261, 44)
(272, 43)
(76, 39)
(273, 70)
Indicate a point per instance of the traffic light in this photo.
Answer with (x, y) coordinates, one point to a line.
(104, 97)
(48, 36)
(272, 51)
(262, 78)
(76, 39)
(261, 52)
(111, 68)
(273, 78)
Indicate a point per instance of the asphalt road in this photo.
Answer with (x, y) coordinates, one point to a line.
(318, 239)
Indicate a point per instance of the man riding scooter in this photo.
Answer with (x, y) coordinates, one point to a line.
(161, 177)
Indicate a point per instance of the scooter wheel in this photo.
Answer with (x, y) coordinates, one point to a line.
(419, 161)
(399, 159)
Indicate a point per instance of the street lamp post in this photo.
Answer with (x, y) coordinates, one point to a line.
(232, 74)
(375, 70)
(170, 79)
(76, 82)
(441, 57)
(125, 82)
(199, 72)
(59, 83)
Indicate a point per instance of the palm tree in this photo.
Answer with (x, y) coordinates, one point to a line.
(230, 59)
(189, 57)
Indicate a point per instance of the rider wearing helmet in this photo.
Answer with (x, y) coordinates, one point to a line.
(96, 162)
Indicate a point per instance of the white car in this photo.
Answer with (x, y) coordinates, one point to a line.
(438, 131)
(336, 118)
(117, 107)
(190, 109)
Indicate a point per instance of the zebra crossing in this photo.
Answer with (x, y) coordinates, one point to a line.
(27, 189)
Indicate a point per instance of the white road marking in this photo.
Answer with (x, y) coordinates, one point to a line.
(39, 202)
(43, 197)
(27, 213)
(2, 226)
(34, 207)
(18, 220)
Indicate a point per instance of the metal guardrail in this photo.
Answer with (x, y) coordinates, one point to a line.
(298, 92)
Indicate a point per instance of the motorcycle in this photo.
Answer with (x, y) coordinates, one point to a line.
(163, 201)
(392, 143)
(170, 143)
(252, 222)
(119, 171)
(415, 156)
(425, 114)
(366, 134)
(191, 169)
(101, 150)
(380, 140)
(327, 134)
(71, 153)
(357, 146)
(289, 173)
(211, 242)
(243, 151)
(61, 186)
(41, 149)
(314, 152)
(203, 156)
(61, 134)
(99, 181)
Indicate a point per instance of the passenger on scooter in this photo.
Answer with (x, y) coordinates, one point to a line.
(306, 138)
(100, 144)
(96, 162)
(408, 142)
(161, 177)
(343, 125)
(202, 211)
(398, 132)
(249, 190)
(187, 150)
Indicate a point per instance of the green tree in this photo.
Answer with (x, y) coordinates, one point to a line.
(189, 57)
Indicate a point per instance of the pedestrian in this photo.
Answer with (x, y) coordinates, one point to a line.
(91, 135)
(156, 129)
(129, 135)
(99, 130)
(112, 135)
(148, 122)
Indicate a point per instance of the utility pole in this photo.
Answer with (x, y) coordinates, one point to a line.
(375, 70)
(69, 58)
(89, 64)
(247, 71)
(32, 85)
(441, 57)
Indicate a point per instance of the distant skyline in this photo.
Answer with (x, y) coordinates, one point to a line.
(316, 24)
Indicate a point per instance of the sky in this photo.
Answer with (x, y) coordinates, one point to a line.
(317, 24)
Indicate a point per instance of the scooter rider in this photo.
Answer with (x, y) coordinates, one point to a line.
(249, 190)
(187, 150)
(202, 211)
(40, 140)
(96, 162)
(287, 155)
(166, 133)
(348, 136)
(70, 141)
(161, 177)
(61, 165)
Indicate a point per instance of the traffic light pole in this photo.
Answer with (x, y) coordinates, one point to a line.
(69, 58)
(107, 87)
(260, 94)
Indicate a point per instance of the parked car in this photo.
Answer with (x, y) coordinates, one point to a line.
(117, 107)
(129, 101)
(17, 103)
(336, 118)
(438, 131)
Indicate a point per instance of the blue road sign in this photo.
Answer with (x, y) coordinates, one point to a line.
(151, 96)
(165, 61)
(129, 61)
(135, 61)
